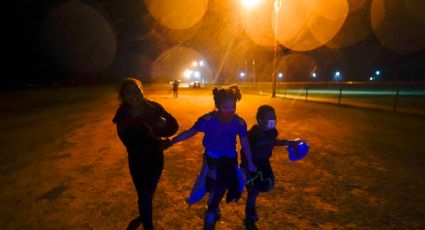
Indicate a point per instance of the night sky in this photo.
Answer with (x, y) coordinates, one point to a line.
(124, 39)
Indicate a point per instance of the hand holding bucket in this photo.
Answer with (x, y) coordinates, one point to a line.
(297, 149)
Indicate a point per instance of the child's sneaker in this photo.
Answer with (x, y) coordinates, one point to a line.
(251, 214)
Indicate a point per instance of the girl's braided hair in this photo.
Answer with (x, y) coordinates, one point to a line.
(221, 95)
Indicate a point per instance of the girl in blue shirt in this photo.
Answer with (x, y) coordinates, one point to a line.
(220, 128)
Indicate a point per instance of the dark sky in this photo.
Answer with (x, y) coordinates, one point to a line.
(140, 39)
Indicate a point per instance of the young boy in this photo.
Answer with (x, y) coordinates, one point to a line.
(262, 138)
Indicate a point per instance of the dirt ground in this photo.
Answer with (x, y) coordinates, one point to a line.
(63, 166)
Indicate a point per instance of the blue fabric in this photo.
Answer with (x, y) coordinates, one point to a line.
(220, 137)
(199, 188)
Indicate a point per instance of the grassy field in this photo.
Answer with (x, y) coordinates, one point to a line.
(362, 94)
(63, 166)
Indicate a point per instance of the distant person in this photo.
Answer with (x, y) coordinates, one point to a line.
(140, 125)
(176, 88)
(262, 138)
(220, 171)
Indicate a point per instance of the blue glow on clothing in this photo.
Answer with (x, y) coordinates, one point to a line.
(220, 137)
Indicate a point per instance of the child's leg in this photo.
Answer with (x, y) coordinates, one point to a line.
(215, 197)
(145, 178)
(250, 204)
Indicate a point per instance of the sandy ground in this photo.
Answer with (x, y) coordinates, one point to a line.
(63, 166)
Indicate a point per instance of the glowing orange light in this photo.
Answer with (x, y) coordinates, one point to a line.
(305, 25)
(178, 61)
(249, 4)
(177, 14)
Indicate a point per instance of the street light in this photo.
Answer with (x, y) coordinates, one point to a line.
(314, 75)
(187, 73)
(277, 5)
(249, 4)
(242, 75)
(197, 74)
(253, 74)
(337, 76)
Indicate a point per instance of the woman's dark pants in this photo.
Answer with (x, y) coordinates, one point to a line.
(145, 170)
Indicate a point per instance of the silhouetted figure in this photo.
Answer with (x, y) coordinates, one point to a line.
(176, 88)
(140, 125)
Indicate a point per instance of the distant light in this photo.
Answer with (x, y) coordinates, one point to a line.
(337, 76)
(371, 78)
(201, 63)
(280, 75)
(195, 63)
(377, 72)
(197, 74)
(314, 75)
(249, 4)
(187, 73)
(277, 4)
(242, 74)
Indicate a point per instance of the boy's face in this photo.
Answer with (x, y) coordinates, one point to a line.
(267, 121)
(132, 95)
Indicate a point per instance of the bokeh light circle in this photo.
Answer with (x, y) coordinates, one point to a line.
(257, 23)
(79, 38)
(304, 25)
(177, 14)
(399, 25)
(356, 27)
(356, 5)
(173, 63)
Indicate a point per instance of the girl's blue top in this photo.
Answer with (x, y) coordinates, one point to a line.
(219, 136)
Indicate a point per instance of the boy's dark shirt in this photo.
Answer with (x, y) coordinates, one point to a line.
(261, 143)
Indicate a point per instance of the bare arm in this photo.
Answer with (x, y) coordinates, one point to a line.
(247, 152)
(184, 135)
(281, 142)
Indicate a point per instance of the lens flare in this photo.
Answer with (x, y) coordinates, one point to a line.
(177, 14)
(303, 25)
(177, 63)
(177, 36)
(356, 5)
(250, 4)
(399, 25)
(257, 24)
(356, 27)
(79, 38)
